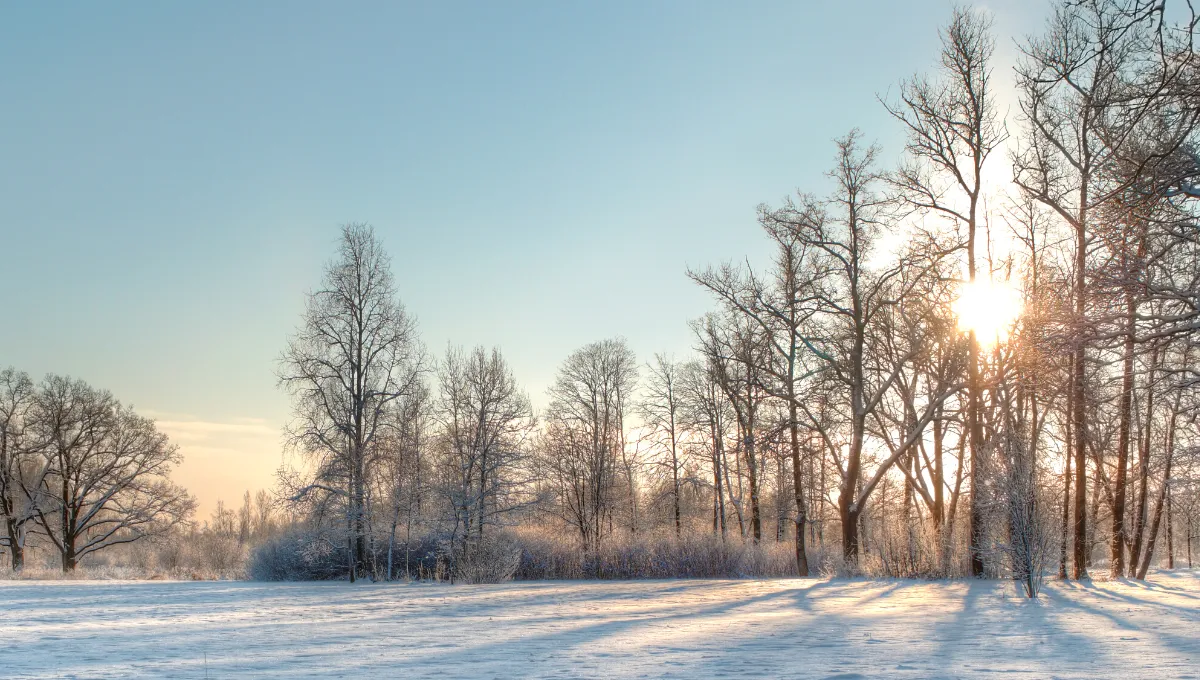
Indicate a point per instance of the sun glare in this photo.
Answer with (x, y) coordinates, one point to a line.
(989, 308)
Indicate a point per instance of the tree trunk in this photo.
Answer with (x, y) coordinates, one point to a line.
(69, 561)
(1098, 485)
(1143, 500)
(752, 460)
(360, 534)
(1117, 545)
(69, 514)
(716, 492)
(798, 489)
(16, 547)
(1170, 534)
(737, 501)
(1162, 493)
(1154, 524)
(718, 488)
(1190, 529)
(1078, 390)
(975, 435)
(675, 478)
(391, 550)
(939, 481)
(1066, 498)
(850, 516)
(752, 468)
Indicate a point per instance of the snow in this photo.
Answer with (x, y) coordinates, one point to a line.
(686, 629)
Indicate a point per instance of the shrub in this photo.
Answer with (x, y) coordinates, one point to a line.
(298, 554)
(495, 559)
(301, 553)
(653, 555)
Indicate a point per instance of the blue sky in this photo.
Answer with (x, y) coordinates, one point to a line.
(172, 176)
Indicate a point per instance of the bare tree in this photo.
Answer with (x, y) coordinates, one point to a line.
(917, 340)
(355, 354)
(106, 472)
(1029, 539)
(18, 462)
(849, 293)
(707, 411)
(734, 347)
(584, 437)
(486, 422)
(780, 309)
(953, 128)
(1170, 442)
(403, 459)
(662, 409)
(263, 519)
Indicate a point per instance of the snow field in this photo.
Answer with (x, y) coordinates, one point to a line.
(684, 629)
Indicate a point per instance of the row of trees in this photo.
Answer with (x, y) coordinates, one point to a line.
(1095, 237)
(80, 470)
(873, 387)
(1110, 110)
(979, 361)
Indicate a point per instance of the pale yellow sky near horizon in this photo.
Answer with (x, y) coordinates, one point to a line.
(222, 459)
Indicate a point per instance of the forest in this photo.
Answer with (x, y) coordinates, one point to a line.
(979, 361)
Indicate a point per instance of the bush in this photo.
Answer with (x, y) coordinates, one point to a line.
(493, 560)
(653, 555)
(197, 556)
(530, 555)
(298, 554)
(422, 558)
(302, 553)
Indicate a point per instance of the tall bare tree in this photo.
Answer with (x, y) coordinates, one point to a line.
(662, 410)
(781, 310)
(849, 289)
(734, 346)
(404, 456)
(355, 354)
(582, 446)
(706, 410)
(953, 128)
(486, 423)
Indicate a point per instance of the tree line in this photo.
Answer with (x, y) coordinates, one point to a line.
(979, 361)
(841, 392)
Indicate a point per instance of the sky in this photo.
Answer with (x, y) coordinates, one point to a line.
(172, 177)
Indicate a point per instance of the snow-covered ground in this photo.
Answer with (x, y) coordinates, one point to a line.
(693, 629)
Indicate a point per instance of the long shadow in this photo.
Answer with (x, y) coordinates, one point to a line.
(1110, 595)
(951, 634)
(582, 635)
(129, 619)
(980, 634)
(1152, 586)
(375, 607)
(329, 646)
(291, 601)
(1188, 645)
(830, 634)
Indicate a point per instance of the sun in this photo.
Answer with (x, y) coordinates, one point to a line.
(990, 308)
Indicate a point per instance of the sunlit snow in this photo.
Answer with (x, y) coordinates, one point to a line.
(693, 629)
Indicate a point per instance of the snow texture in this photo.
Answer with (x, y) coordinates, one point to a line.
(693, 629)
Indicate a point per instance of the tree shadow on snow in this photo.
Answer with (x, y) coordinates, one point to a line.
(543, 646)
(1185, 644)
(998, 629)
